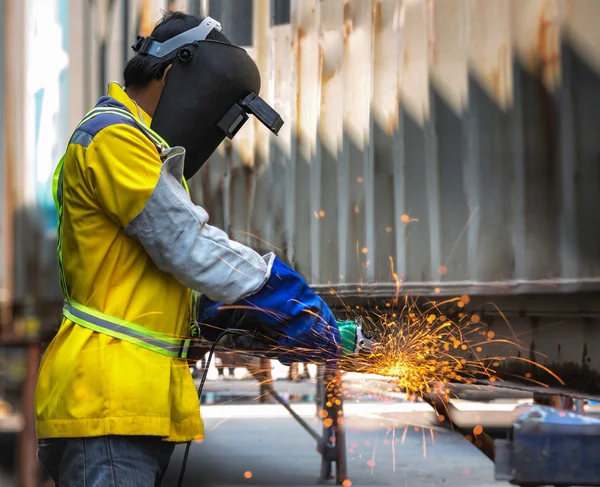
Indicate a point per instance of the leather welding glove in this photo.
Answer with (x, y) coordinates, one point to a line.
(308, 329)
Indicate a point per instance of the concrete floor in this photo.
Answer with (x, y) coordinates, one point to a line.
(278, 452)
(384, 448)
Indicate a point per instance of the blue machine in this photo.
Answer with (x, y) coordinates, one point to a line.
(550, 447)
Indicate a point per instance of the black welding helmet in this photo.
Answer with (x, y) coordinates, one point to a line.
(211, 89)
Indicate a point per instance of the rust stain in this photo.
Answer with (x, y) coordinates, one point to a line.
(392, 123)
(435, 55)
(377, 16)
(545, 56)
(545, 67)
(348, 24)
(246, 153)
(326, 76)
(146, 20)
(495, 82)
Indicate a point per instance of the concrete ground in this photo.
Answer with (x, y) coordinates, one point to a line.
(390, 442)
(382, 451)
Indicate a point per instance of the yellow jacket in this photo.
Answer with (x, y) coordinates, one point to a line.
(131, 255)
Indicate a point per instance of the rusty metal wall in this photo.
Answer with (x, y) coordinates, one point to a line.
(448, 143)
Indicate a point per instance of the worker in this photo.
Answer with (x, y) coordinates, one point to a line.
(114, 392)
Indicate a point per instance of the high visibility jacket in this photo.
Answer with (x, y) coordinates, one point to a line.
(118, 264)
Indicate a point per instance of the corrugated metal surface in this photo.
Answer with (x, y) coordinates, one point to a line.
(453, 138)
(449, 144)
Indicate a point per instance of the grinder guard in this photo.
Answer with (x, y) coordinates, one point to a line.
(211, 89)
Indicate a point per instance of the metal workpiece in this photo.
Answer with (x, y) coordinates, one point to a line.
(550, 447)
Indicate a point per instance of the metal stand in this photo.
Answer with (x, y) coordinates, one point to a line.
(331, 444)
(440, 404)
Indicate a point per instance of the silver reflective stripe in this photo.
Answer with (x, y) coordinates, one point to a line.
(181, 348)
(158, 49)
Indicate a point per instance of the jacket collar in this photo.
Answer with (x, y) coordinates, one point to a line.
(117, 97)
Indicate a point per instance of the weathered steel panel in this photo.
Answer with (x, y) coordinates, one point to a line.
(448, 144)
(386, 189)
(449, 80)
(304, 196)
(281, 147)
(330, 131)
(261, 214)
(355, 164)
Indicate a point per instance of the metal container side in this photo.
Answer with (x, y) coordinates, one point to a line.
(446, 145)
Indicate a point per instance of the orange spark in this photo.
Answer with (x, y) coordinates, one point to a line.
(257, 238)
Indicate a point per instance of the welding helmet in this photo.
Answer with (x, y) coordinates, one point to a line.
(210, 91)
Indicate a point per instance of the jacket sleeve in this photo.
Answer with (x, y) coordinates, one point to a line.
(146, 197)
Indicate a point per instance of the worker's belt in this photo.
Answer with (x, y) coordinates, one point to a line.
(138, 335)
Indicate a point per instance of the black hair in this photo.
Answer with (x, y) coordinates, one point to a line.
(143, 68)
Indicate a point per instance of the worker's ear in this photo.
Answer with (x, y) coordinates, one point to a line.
(166, 75)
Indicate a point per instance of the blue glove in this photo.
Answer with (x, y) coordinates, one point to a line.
(309, 331)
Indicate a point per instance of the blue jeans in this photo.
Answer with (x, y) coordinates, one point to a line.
(106, 461)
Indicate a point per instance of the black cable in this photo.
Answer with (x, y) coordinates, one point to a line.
(200, 387)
